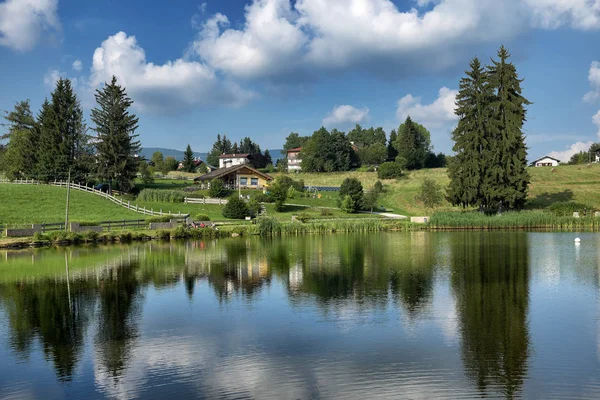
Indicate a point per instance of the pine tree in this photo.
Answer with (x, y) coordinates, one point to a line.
(221, 146)
(392, 153)
(20, 158)
(62, 134)
(268, 159)
(506, 179)
(235, 149)
(188, 160)
(412, 145)
(470, 137)
(117, 145)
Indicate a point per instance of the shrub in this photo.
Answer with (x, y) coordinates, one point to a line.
(348, 204)
(261, 197)
(164, 218)
(218, 189)
(254, 207)
(389, 170)
(201, 217)
(235, 208)
(378, 187)
(162, 195)
(303, 217)
(567, 208)
(291, 192)
(325, 212)
(430, 193)
(370, 200)
(279, 194)
(353, 188)
(268, 226)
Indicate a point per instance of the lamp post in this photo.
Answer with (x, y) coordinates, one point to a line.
(68, 195)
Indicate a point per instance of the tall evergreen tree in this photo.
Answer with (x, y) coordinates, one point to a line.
(188, 160)
(471, 135)
(506, 179)
(117, 145)
(268, 158)
(62, 134)
(392, 153)
(412, 144)
(20, 158)
(221, 146)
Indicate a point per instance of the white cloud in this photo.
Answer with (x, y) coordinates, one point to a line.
(24, 22)
(280, 38)
(51, 77)
(578, 14)
(575, 148)
(594, 78)
(345, 114)
(77, 65)
(437, 115)
(161, 88)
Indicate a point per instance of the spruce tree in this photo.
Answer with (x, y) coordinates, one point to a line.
(392, 153)
(188, 160)
(506, 180)
(20, 158)
(268, 159)
(62, 134)
(470, 136)
(412, 145)
(116, 141)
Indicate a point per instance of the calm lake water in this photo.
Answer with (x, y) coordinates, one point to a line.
(402, 315)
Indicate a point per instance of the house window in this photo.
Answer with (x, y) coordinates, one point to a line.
(244, 181)
(254, 181)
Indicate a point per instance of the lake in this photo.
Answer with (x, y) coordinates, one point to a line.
(389, 315)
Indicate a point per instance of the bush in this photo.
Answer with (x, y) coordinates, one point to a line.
(353, 188)
(201, 217)
(567, 208)
(430, 193)
(268, 226)
(378, 187)
(164, 218)
(236, 208)
(261, 197)
(217, 189)
(348, 204)
(279, 194)
(254, 207)
(389, 170)
(325, 212)
(291, 192)
(303, 217)
(162, 195)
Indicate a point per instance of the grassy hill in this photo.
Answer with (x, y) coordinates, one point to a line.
(580, 183)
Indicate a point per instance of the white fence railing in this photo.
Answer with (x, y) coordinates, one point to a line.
(76, 186)
(191, 200)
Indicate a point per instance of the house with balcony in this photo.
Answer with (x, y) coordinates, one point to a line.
(230, 160)
(294, 161)
(243, 176)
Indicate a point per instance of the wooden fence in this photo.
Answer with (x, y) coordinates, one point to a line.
(191, 200)
(76, 186)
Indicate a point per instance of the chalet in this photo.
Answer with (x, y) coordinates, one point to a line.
(294, 162)
(230, 160)
(546, 161)
(242, 175)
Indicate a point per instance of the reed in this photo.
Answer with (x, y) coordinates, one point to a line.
(512, 220)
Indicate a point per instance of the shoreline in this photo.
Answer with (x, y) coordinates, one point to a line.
(269, 227)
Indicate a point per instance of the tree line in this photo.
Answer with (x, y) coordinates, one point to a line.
(223, 145)
(408, 148)
(55, 144)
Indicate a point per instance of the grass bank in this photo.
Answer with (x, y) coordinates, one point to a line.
(528, 220)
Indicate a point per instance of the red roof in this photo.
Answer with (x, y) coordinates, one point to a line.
(234, 156)
(296, 150)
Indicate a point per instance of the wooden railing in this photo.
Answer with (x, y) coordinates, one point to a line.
(191, 200)
(76, 186)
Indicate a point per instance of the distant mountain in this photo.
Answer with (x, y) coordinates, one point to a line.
(147, 152)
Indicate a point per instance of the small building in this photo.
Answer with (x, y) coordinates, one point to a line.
(197, 163)
(243, 175)
(230, 160)
(546, 161)
(294, 161)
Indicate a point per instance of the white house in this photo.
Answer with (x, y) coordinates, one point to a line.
(293, 160)
(230, 160)
(546, 161)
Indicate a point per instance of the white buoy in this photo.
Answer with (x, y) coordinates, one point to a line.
(577, 240)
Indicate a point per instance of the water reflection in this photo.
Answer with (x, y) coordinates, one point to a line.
(490, 279)
(316, 316)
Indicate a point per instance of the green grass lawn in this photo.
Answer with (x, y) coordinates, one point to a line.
(41, 203)
(580, 183)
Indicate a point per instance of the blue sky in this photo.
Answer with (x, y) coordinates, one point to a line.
(264, 68)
